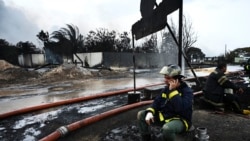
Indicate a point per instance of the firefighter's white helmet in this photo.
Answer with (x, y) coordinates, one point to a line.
(171, 70)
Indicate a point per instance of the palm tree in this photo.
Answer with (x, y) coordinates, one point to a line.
(43, 36)
(70, 39)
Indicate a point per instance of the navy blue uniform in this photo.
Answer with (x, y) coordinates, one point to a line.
(174, 104)
(215, 85)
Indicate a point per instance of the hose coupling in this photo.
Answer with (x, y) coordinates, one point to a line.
(63, 130)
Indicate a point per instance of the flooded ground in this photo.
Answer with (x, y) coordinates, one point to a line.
(17, 96)
(31, 95)
(34, 126)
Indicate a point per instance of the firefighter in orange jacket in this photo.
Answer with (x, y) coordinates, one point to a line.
(172, 109)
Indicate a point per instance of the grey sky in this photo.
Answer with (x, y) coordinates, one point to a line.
(219, 24)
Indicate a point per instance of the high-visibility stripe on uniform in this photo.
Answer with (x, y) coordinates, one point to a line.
(174, 118)
(161, 116)
(222, 80)
(247, 67)
(171, 95)
(151, 110)
(163, 95)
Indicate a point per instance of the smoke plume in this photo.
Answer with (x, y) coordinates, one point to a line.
(15, 26)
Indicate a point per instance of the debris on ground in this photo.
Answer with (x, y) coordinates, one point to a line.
(5, 65)
(10, 74)
(220, 127)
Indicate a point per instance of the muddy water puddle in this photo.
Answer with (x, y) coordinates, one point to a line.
(21, 96)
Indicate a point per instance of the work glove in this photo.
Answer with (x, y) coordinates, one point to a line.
(149, 118)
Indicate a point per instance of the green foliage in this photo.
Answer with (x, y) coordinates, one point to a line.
(242, 50)
(150, 45)
(9, 52)
(101, 40)
(43, 36)
(123, 43)
(26, 47)
(71, 36)
(194, 53)
(236, 53)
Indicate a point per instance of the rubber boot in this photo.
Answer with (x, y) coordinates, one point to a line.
(246, 112)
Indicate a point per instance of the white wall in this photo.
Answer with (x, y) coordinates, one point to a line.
(93, 59)
(31, 60)
(38, 59)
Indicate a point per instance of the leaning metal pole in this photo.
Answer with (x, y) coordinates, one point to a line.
(184, 55)
(133, 44)
(179, 44)
(180, 33)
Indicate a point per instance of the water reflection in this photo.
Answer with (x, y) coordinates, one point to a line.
(68, 90)
(21, 96)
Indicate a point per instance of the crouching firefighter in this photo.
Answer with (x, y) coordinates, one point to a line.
(171, 109)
